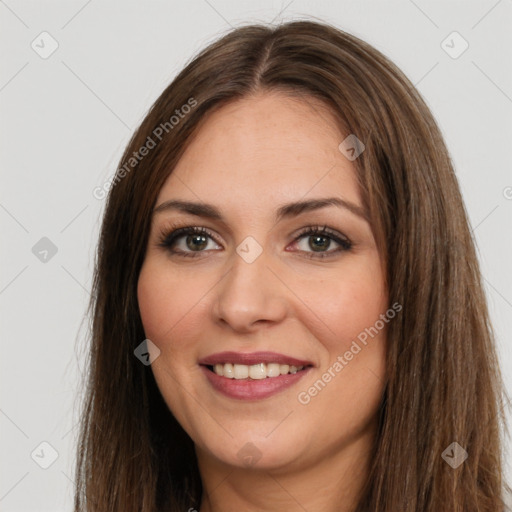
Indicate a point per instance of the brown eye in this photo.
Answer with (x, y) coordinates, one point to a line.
(319, 243)
(319, 240)
(196, 240)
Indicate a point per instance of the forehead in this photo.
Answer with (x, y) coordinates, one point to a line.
(261, 151)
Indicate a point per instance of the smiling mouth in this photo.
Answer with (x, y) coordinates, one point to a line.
(255, 371)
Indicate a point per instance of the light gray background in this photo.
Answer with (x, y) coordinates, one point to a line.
(66, 119)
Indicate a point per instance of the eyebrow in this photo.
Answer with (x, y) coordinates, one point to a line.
(285, 211)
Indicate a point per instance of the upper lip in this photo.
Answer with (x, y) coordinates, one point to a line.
(250, 358)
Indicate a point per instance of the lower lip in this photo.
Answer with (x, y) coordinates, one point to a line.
(252, 389)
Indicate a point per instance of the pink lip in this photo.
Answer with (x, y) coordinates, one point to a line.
(249, 389)
(249, 358)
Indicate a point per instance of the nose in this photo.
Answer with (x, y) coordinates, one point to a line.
(250, 295)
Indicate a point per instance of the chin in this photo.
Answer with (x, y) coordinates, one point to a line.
(257, 451)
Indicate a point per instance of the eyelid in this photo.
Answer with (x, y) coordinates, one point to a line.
(164, 233)
(345, 244)
(322, 230)
(180, 230)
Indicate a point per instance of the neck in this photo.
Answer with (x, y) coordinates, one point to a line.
(331, 484)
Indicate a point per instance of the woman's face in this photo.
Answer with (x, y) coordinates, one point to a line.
(259, 285)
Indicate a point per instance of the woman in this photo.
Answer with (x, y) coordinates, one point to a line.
(288, 311)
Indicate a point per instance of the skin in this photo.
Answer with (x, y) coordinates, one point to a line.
(248, 158)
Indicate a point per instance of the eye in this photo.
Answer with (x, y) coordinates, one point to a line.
(187, 241)
(319, 239)
(191, 241)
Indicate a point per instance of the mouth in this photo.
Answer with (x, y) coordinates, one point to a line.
(253, 375)
(255, 371)
(255, 365)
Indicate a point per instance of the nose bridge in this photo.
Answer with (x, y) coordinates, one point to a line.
(250, 292)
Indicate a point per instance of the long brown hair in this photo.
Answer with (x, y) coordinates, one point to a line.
(443, 381)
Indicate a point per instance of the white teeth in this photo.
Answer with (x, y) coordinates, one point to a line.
(256, 371)
(273, 370)
(227, 371)
(241, 371)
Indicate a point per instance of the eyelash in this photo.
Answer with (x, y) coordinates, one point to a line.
(168, 236)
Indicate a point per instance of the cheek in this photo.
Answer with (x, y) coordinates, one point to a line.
(165, 300)
(153, 302)
(166, 307)
(347, 304)
(173, 308)
(348, 386)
